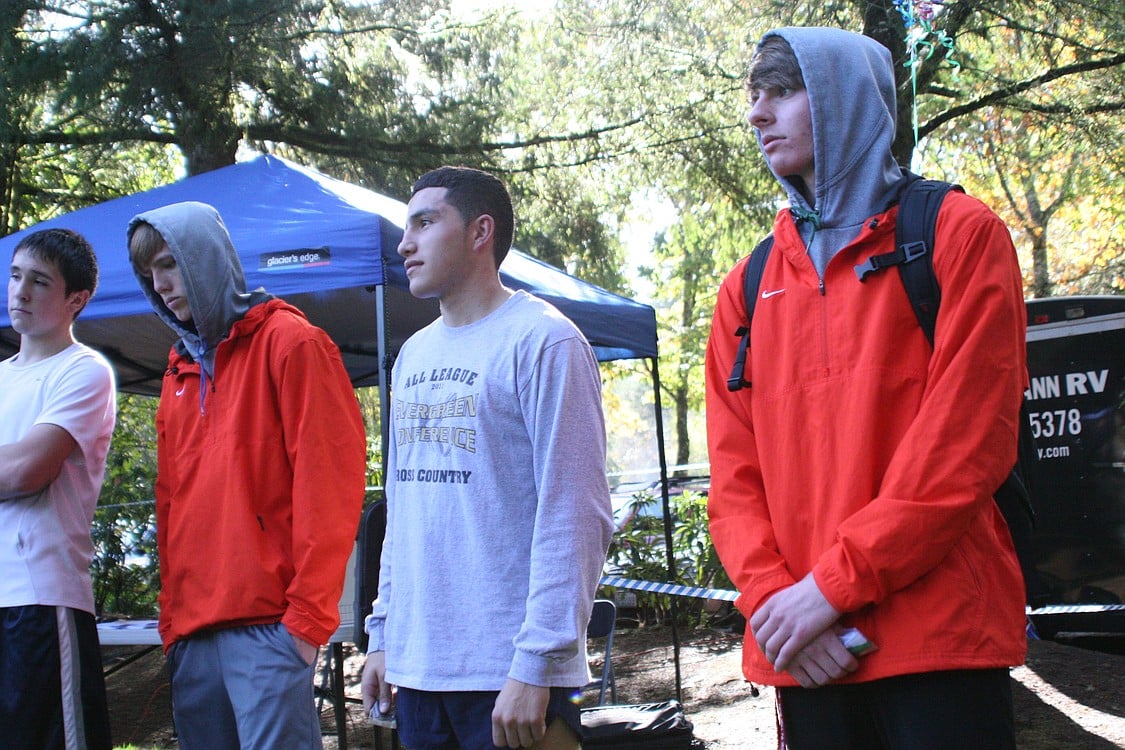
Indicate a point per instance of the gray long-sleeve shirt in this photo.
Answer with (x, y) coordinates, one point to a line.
(498, 508)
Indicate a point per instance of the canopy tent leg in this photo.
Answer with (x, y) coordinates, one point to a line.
(669, 553)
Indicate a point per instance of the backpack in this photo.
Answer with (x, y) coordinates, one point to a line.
(919, 203)
(638, 726)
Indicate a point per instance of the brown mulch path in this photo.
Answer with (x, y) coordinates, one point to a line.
(1065, 697)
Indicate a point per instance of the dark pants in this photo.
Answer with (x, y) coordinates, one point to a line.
(929, 711)
(452, 720)
(52, 691)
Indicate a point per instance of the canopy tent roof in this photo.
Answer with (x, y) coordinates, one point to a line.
(322, 244)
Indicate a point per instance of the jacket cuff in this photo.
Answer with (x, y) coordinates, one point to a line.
(834, 589)
(306, 628)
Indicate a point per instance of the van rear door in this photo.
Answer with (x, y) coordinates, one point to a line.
(1076, 409)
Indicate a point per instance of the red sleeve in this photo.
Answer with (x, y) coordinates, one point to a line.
(325, 439)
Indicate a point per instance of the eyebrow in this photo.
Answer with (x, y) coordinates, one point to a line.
(32, 272)
(422, 213)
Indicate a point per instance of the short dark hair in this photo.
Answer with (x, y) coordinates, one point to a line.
(475, 193)
(774, 64)
(69, 252)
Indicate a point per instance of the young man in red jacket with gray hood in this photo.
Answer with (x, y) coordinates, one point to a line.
(261, 465)
(852, 479)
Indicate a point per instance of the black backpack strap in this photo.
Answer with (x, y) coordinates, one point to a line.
(751, 280)
(918, 209)
(920, 204)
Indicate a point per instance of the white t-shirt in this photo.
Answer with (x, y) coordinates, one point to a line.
(45, 544)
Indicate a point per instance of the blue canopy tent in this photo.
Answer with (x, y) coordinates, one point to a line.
(324, 245)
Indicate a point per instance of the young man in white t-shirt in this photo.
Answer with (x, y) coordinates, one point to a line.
(56, 420)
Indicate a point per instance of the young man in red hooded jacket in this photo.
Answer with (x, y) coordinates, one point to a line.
(852, 479)
(261, 466)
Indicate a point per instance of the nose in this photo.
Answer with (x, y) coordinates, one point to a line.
(160, 281)
(759, 113)
(406, 244)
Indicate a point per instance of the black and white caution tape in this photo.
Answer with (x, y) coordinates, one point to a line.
(674, 589)
(1076, 609)
(669, 588)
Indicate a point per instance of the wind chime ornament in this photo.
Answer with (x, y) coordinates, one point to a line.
(922, 40)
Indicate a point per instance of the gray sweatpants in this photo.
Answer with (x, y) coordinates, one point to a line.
(243, 688)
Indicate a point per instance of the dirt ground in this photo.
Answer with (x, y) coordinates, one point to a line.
(1066, 698)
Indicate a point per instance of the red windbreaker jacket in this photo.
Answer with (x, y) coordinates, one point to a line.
(861, 454)
(258, 493)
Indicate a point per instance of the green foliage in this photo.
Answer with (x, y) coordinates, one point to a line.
(639, 552)
(690, 260)
(564, 222)
(1045, 158)
(369, 409)
(125, 569)
(691, 540)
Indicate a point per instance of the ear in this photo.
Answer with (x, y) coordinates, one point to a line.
(77, 301)
(482, 231)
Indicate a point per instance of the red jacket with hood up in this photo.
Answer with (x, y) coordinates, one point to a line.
(261, 452)
(858, 452)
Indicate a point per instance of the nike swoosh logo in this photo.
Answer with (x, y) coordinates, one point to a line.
(767, 295)
(181, 391)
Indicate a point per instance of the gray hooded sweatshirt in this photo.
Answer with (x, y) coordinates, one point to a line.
(212, 273)
(853, 125)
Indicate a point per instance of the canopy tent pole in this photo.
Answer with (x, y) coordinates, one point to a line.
(385, 363)
(668, 551)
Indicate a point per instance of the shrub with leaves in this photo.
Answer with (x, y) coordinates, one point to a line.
(638, 551)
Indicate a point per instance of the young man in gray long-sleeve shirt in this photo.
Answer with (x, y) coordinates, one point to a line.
(498, 508)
